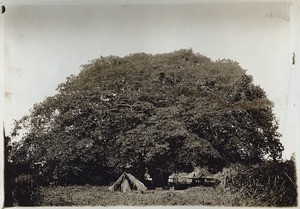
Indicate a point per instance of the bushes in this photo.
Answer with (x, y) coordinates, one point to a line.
(273, 183)
(26, 191)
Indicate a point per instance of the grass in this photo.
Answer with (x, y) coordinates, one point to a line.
(263, 185)
(100, 196)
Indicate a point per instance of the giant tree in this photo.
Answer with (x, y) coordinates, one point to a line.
(165, 112)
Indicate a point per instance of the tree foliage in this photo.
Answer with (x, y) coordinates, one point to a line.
(167, 112)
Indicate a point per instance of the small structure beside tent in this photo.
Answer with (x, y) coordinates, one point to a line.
(126, 183)
(199, 177)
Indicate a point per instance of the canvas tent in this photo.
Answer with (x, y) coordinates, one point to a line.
(127, 182)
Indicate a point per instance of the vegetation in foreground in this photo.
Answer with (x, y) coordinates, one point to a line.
(263, 194)
(100, 196)
(270, 184)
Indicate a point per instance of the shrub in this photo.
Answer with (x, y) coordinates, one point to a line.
(26, 191)
(271, 182)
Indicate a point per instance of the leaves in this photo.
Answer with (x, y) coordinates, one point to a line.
(167, 112)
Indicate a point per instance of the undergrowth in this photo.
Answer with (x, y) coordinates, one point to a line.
(100, 196)
(273, 183)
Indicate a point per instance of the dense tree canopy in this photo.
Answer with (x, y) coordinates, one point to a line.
(167, 112)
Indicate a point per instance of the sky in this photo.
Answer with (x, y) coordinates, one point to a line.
(43, 44)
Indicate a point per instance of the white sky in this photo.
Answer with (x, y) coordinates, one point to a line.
(45, 44)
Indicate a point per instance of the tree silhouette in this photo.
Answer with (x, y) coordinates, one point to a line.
(8, 198)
